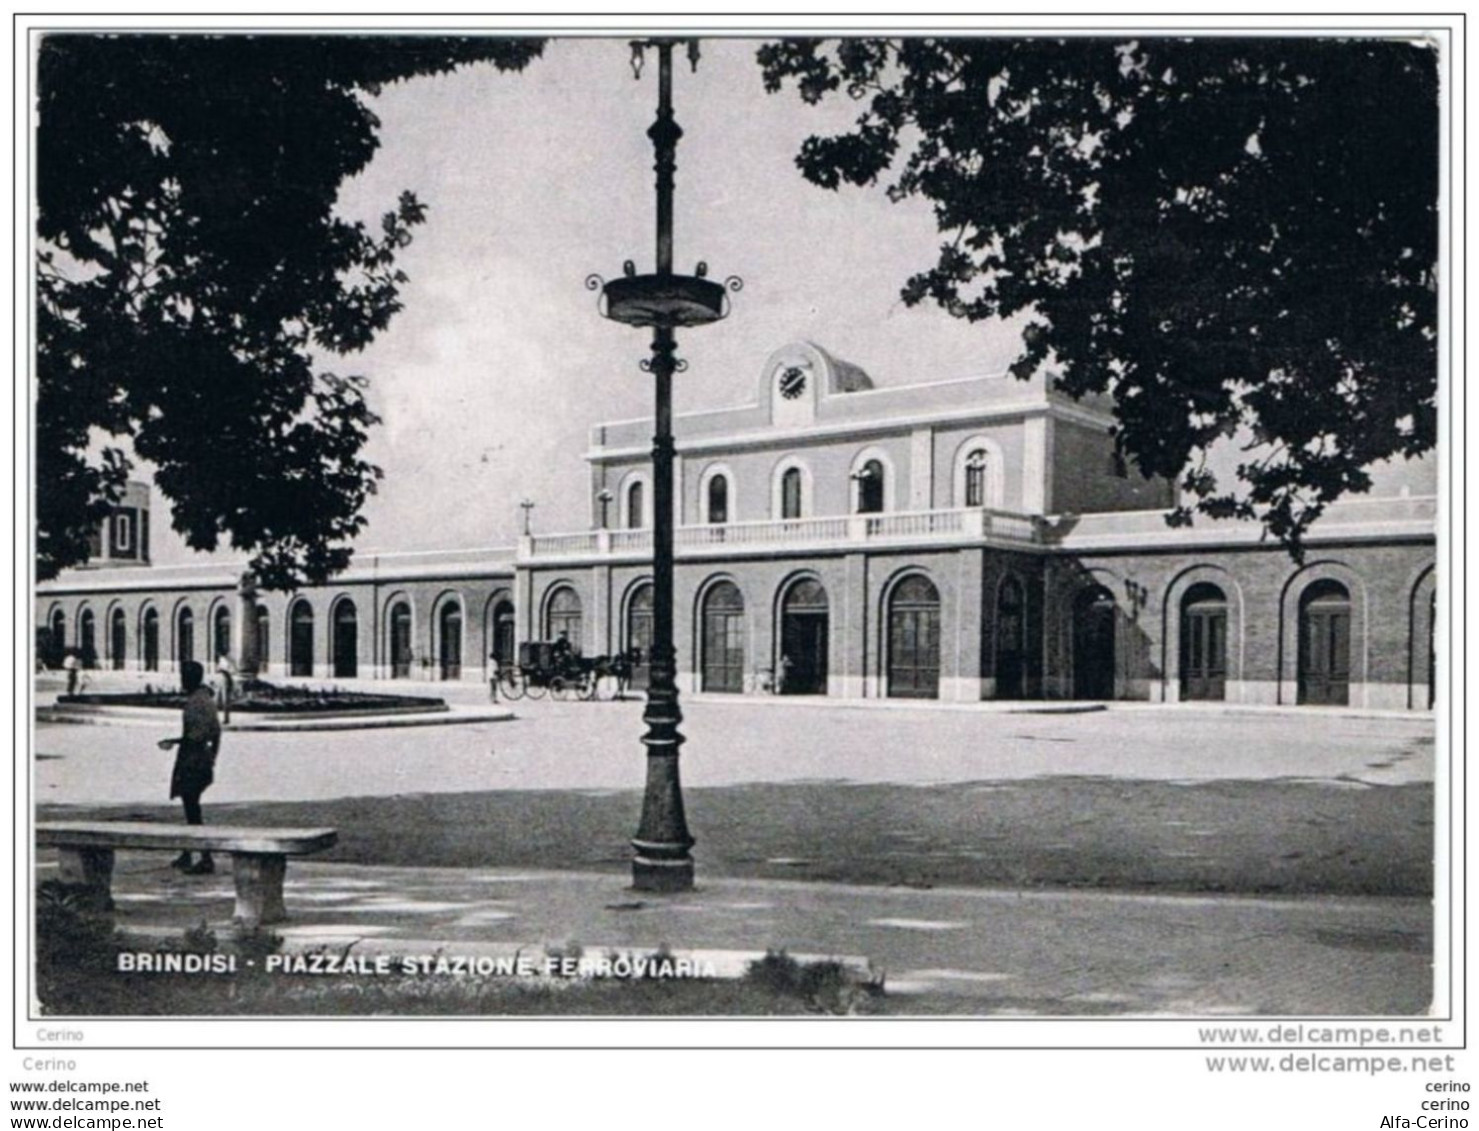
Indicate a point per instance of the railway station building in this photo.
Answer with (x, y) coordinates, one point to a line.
(956, 540)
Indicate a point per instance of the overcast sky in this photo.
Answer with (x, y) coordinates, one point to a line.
(490, 379)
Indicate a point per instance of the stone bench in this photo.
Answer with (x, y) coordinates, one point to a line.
(259, 856)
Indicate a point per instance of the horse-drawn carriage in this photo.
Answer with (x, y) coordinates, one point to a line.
(553, 667)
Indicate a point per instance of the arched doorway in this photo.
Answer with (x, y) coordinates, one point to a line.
(449, 640)
(1325, 644)
(118, 640)
(57, 643)
(503, 632)
(346, 640)
(300, 639)
(805, 621)
(1093, 643)
(185, 636)
(87, 638)
(264, 638)
(401, 656)
(221, 633)
(1011, 639)
(151, 640)
(914, 640)
(1204, 643)
(724, 639)
(563, 616)
(1432, 648)
(639, 634)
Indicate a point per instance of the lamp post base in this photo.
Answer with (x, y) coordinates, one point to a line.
(654, 874)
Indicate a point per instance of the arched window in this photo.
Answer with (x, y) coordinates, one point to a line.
(718, 499)
(1204, 642)
(975, 478)
(118, 640)
(635, 506)
(185, 635)
(639, 634)
(724, 638)
(914, 640)
(221, 633)
(563, 617)
(345, 646)
(978, 473)
(870, 481)
(791, 493)
(449, 640)
(300, 639)
(151, 639)
(87, 638)
(1325, 644)
(805, 621)
(401, 655)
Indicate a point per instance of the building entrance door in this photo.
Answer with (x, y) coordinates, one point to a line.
(503, 633)
(805, 624)
(1093, 644)
(300, 640)
(151, 641)
(639, 637)
(914, 640)
(724, 639)
(1325, 645)
(1011, 640)
(449, 641)
(118, 640)
(400, 641)
(1204, 644)
(346, 641)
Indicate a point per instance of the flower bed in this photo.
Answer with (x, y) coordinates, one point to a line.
(260, 697)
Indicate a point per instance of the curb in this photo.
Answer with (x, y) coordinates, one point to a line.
(450, 717)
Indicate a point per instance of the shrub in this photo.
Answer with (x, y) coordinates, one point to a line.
(826, 986)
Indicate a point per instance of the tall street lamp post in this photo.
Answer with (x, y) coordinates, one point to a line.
(663, 301)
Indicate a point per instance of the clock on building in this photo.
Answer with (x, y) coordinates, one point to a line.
(793, 382)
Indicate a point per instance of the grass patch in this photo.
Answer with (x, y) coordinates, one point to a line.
(1250, 837)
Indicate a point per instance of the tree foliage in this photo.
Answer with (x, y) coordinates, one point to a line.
(1237, 238)
(193, 277)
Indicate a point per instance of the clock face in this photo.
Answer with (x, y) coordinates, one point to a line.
(793, 382)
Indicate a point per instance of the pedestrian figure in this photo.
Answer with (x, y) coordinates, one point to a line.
(493, 676)
(227, 671)
(782, 670)
(71, 666)
(195, 757)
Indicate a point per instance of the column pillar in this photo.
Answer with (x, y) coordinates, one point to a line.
(244, 627)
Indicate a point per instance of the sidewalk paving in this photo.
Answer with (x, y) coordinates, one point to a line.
(977, 951)
(951, 951)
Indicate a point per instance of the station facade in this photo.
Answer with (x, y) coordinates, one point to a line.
(957, 540)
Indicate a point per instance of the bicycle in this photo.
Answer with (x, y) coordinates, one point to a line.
(511, 682)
